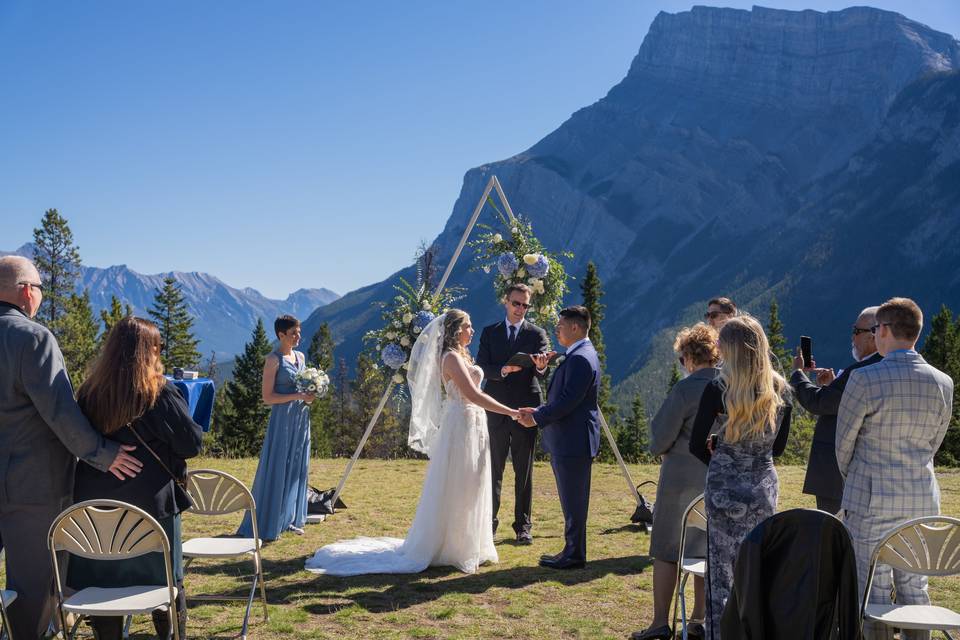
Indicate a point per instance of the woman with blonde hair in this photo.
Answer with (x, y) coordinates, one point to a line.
(746, 410)
(448, 422)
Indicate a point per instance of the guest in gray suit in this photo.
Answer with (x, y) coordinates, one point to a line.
(42, 431)
(892, 419)
(682, 477)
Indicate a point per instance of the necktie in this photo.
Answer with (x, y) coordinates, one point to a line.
(513, 335)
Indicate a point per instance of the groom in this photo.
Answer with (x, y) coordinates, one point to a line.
(571, 431)
(515, 387)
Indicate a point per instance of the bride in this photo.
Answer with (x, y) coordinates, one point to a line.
(452, 523)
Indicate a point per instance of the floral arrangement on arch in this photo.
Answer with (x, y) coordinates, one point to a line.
(518, 257)
(412, 309)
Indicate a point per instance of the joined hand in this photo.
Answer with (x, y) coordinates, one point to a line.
(526, 417)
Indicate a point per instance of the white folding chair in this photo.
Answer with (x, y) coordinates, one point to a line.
(111, 530)
(6, 598)
(694, 516)
(216, 493)
(927, 546)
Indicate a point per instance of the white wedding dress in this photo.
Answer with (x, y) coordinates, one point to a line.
(453, 525)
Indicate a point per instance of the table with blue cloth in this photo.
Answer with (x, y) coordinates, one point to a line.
(199, 394)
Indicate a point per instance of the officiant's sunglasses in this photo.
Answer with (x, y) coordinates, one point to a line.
(519, 304)
(857, 330)
(34, 285)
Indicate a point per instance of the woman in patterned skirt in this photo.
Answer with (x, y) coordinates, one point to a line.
(752, 423)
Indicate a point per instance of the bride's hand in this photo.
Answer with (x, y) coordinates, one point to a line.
(515, 414)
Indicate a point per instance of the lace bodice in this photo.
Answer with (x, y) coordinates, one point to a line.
(451, 387)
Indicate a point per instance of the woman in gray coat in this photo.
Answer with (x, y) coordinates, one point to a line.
(682, 476)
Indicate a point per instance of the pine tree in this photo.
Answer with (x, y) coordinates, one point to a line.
(942, 350)
(592, 291)
(342, 420)
(170, 313)
(78, 336)
(110, 318)
(633, 436)
(776, 339)
(367, 389)
(320, 354)
(241, 427)
(58, 261)
(675, 377)
(212, 368)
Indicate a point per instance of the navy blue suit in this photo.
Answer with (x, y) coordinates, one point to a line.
(570, 423)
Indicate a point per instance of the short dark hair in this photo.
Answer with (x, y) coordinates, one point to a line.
(903, 316)
(284, 323)
(578, 315)
(726, 305)
(519, 286)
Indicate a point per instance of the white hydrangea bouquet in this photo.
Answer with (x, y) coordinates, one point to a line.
(313, 380)
(518, 257)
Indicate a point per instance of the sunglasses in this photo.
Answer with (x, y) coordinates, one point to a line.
(711, 315)
(519, 305)
(32, 284)
(857, 330)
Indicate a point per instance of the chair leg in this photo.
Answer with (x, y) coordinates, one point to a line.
(246, 615)
(682, 597)
(258, 560)
(126, 627)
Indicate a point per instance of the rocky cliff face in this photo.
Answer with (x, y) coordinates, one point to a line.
(731, 129)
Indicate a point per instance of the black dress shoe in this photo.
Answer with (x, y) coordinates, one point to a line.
(547, 556)
(562, 563)
(524, 537)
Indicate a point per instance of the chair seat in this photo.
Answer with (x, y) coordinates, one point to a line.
(696, 566)
(913, 616)
(218, 547)
(122, 601)
(8, 597)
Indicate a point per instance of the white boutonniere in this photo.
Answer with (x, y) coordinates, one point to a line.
(560, 360)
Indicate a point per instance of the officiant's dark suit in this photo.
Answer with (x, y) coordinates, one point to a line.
(498, 342)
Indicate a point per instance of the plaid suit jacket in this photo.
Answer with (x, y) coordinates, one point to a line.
(892, 419)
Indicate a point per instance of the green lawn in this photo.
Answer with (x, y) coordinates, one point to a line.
(514, 599)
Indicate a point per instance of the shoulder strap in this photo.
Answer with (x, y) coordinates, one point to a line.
(154, 454)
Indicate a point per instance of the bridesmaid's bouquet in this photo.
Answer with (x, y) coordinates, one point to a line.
(313, 380)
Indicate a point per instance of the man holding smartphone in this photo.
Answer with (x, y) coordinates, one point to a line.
(823, 479)
(515, 387)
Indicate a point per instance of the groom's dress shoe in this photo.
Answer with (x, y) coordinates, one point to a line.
(524, 537)
(562, 563)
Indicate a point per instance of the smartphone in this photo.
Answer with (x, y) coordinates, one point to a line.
(806, 350)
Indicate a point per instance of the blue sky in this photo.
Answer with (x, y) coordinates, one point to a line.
(292, 144)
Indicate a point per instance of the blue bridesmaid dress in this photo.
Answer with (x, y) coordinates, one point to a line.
(280, 486)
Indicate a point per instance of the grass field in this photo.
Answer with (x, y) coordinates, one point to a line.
(514, 599)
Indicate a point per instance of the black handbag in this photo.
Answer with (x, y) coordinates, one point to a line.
(321, 502)
(643, 514)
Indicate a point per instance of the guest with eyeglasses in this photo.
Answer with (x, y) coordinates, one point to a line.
(823, 479)
(682, 478)
(892, 419)
(719, 311)
(42, 433)
(515, 387)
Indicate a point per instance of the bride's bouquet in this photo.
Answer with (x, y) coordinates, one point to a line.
(313, 380)
(520, 258)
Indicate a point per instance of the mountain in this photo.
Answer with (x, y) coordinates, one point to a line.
(745, 152)
(224, 317)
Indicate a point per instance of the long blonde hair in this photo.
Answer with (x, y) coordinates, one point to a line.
(452, 326)
(752, 389)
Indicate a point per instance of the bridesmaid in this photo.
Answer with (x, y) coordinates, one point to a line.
(280, 486)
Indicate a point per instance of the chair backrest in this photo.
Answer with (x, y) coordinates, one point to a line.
(216, 493)
(106, 529)
(928, 546)
(695, 514)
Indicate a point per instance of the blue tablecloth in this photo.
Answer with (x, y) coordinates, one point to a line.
(199, 396)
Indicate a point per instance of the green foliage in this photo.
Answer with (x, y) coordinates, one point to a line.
(320, 354)
(170, 313)
(110, 318)
(802, 425)
(388, 438)
(776, 338)
(942, 350)
(548, 291)
(78, 336)
(58, 261)
(674, 377)
(241, 419)
(343, 434)
(633, 436)
(592, 291)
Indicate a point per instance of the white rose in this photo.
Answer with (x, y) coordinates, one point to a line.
(397, 324)
(407, 318)
(514, 231)
(532, 282)
(405, 341)
(497, 237)
(391, 335)
(398, 379)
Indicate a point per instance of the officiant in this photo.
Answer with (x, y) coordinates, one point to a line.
(515, 385)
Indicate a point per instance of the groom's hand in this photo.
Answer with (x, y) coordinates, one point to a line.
(526, 417)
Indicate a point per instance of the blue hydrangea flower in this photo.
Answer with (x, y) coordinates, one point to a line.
(393, 355)
(539, 268)
(422, 319)
(507, 264)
